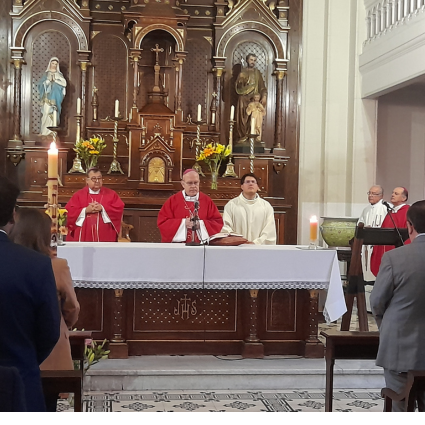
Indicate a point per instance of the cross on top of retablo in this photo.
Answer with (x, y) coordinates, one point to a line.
(157, 50)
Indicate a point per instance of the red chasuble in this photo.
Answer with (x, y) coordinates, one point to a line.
(94, 229)
(176, 208)
(400, 221)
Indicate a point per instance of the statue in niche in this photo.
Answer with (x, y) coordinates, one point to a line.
(257, 111)
(52, 90)
(249, 82)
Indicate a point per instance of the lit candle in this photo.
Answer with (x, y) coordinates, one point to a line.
(199, 113)
(78, 106)
(52, 161)
(313, 228)
(232, 112)
(55, 118)
(253, 125)
(117, 108)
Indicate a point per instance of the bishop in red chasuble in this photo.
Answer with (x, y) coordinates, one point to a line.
(174, 218)
(399, 212)
(94, 212)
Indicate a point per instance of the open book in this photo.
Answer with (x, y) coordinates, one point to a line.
(222, 235)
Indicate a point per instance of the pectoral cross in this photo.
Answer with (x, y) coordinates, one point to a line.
(157, 68)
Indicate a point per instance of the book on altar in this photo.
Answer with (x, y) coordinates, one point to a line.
(229, 239)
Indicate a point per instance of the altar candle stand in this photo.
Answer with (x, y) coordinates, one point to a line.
(52, 189)
(198, 123)
(115, 166)
(76, 163)
(230, 167)
(313, 232)
(252, 138)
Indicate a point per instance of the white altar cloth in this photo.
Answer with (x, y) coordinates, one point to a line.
(176, 266)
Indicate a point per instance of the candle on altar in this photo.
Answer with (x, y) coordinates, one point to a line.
(78, 106)
(52, 161)
(232, 112)
(253, 125)
(199, 113)
(117, 108)
(313, 228)
(55, 118)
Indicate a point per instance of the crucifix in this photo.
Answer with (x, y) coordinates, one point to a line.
(157, 68)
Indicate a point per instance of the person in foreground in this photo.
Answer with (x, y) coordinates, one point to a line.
(249, 215)
(33, 230)
(29, 314)
(397, 302)
(398, 214)
(174, 218)
(94, 212)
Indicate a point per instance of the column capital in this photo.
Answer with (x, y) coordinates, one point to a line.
(84, 65)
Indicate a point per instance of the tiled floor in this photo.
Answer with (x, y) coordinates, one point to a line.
(358, 400)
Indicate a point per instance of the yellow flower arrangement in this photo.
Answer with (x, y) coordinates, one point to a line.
(62, 216)
(90, 150)
(212, 155)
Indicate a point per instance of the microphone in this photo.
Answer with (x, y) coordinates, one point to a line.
(389, 207)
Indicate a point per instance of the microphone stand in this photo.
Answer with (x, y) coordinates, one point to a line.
(395, 227)
(195, 221)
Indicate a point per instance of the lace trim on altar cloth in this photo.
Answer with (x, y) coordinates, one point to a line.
(199, 285)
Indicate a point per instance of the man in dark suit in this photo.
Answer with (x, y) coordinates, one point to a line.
(29, 311)
(397, 301)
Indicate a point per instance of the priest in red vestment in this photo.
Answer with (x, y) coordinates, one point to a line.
(95, 212)
(174, 218)
(398, 199)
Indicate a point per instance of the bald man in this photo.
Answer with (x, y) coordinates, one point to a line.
(398, 214)
(175, 219)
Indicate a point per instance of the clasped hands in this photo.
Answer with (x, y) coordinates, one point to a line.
(189, 223)
(93, 207)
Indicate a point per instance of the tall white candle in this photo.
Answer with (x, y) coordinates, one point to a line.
(55, 118)
(253, 125)
(78, 106)
(199, 113)
(117, 108)
(232, 112)
(52, 161)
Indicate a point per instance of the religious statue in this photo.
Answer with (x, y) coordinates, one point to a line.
(257, 111)
(51, 88)
(249, 82)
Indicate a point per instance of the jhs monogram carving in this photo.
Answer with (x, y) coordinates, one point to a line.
(185, 308)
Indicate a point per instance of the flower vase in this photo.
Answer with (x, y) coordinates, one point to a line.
(214, 177)
(60, 239)
(90, 163)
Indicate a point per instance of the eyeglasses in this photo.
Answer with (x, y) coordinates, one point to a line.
(96, 179)
(374, 194)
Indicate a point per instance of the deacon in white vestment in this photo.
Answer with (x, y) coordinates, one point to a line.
(249, 215)
(372, 216)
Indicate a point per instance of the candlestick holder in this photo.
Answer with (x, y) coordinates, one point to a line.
(115, 166)
(76, 163)
(196, 166)
(252, 138)
(313, 244)
(230, 167)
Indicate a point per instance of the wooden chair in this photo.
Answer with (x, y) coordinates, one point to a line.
(124, 235)
(355, 287)
(69, 381)
(415, 383)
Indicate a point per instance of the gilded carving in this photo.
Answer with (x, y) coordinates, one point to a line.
(156, 170)
(185, 308)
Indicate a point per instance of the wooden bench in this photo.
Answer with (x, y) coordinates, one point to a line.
(415, 382)
(69, 381)
(346, 345)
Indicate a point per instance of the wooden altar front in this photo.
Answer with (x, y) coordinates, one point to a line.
(173, 299)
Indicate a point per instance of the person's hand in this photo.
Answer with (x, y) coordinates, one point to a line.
(189, 224)
(97, 207)
(89, 209)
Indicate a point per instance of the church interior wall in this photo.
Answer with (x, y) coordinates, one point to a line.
(401, 141)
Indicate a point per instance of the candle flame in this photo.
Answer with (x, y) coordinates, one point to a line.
(313, 219)
(53, 147)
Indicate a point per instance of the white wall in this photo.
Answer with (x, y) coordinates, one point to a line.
(337, 127)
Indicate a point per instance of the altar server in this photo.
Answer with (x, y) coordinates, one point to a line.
(249, 215)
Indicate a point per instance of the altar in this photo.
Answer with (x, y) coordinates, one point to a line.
(149, 298)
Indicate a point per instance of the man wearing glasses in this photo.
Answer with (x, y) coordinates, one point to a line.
(175, 219)
(94, 212)
(372, 216)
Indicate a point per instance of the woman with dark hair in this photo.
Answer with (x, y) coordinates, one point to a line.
(32, 229)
